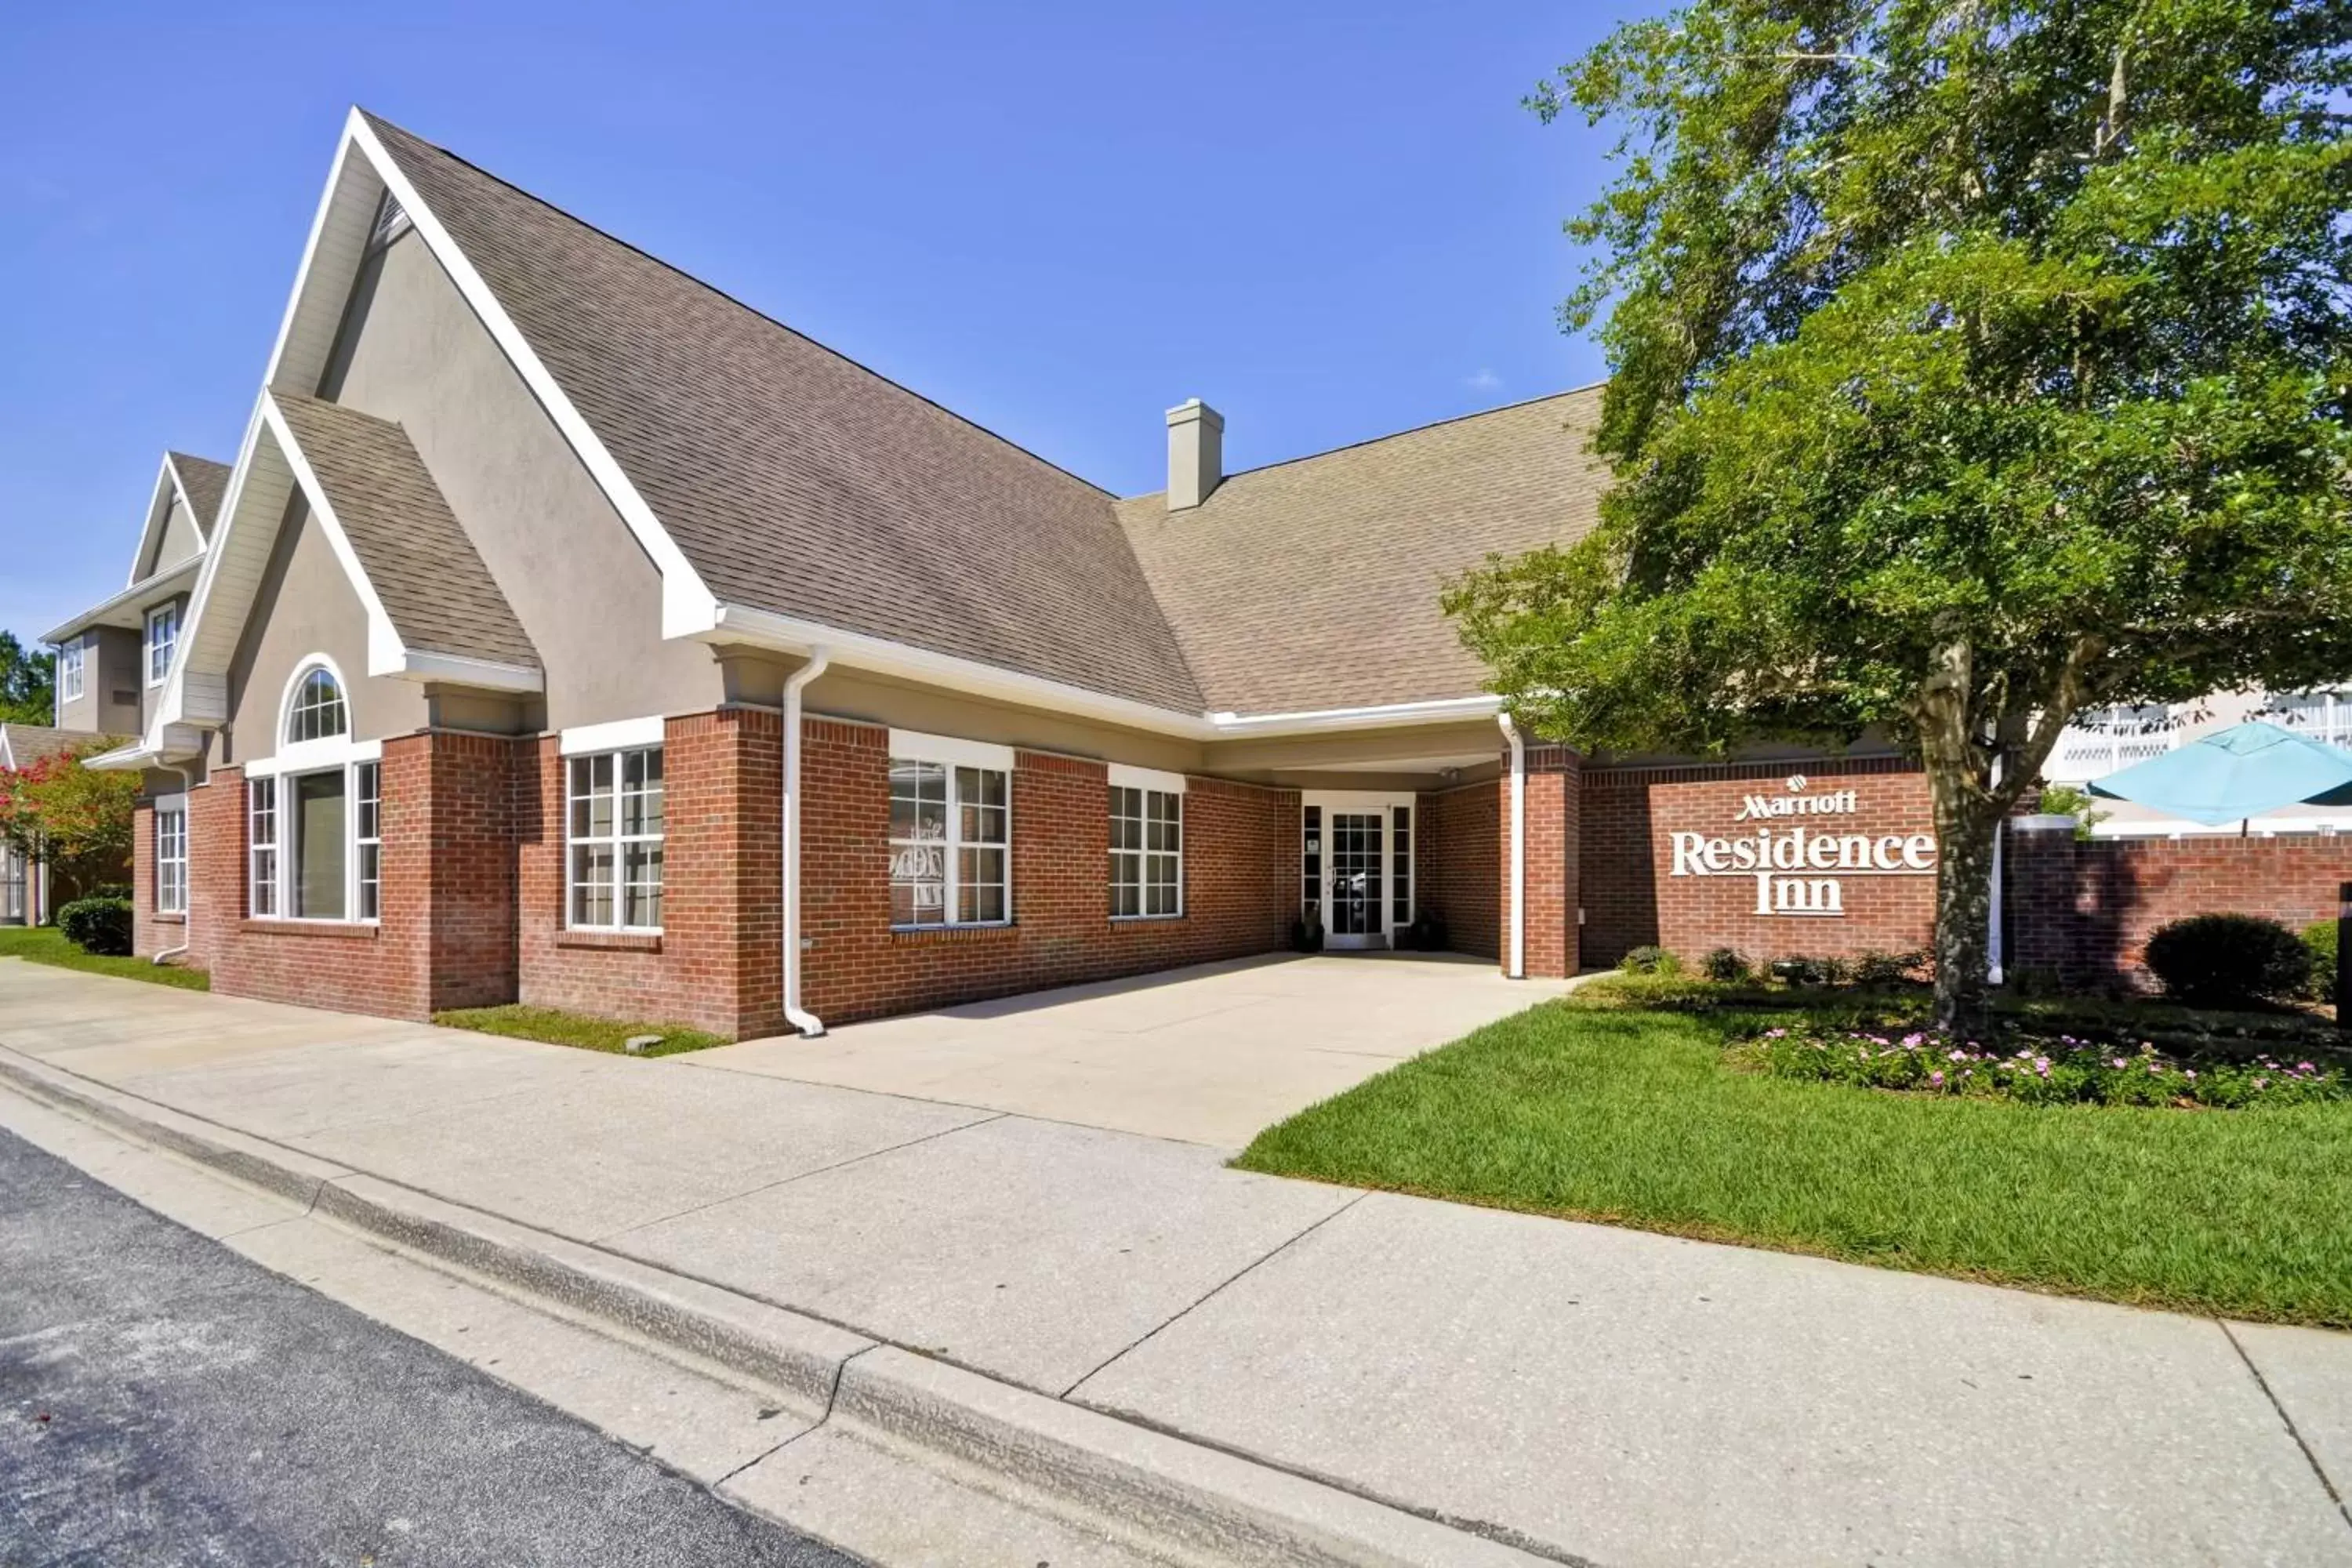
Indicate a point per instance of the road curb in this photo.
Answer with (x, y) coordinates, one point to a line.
(1174, 1499)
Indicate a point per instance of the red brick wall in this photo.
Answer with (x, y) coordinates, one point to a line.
(151, 933)
(1241, 886)
(1459, 866)
(2086, 911)
(1554, 811)
(1629, 815)
(718, 964)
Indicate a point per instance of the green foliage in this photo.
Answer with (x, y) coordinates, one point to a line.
(47, 945)
(1968, 365)
(1650, 961)
(2066, 800)
(28, 683)
(2321, 938)
(1876, 968)
(1814, 971)
(2042, 1071)
(78, 820)
(100, 926)
(558, 1027)
(2227, 960)
(1566, 1111)
(1725, 966)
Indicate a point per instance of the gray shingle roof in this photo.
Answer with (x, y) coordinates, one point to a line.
(1313, 585)
(800, 482)
(25, 744)
(207, 483)
(440, 596)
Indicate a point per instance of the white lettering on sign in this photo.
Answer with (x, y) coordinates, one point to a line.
(1768, 852)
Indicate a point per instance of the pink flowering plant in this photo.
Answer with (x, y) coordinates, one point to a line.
(2062, 1069)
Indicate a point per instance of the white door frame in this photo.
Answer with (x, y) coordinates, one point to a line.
(1360, 801)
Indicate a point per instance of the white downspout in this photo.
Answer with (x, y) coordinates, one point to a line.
(800, 1018)
(187, 876)
(1517, 969)
(1993, 954)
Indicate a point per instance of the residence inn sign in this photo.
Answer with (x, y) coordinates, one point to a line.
(1797, 854)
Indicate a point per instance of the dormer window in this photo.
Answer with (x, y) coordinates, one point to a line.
(163, 637)
(317, 712)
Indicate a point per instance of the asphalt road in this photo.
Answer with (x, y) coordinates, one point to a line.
(166, 1401)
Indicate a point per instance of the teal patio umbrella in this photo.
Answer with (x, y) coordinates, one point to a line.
(2235, 773)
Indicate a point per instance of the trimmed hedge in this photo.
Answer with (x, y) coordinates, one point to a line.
(2221, 961)
(98, 925)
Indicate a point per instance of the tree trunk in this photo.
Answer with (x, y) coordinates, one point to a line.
(1963, 913)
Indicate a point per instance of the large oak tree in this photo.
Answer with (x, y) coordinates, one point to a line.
(1971, 364)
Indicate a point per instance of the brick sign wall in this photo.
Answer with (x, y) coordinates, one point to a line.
(1827, 861)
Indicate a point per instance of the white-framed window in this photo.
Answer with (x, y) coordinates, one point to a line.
(314, 811)
(261, 839)
(315, 709)
(1147, 845)
(950, 832)
(613, 837)
(367, 837)
(163, 637)
(69, 671)
(172, 856)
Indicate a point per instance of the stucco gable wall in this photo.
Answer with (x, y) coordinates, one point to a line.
(305, 605)
(175, 543)
(591, 601)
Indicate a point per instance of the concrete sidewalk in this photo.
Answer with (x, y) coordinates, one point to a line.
(1587, 1393)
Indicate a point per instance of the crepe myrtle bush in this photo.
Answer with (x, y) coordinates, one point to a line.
(2063, 1070)
(2226, 959)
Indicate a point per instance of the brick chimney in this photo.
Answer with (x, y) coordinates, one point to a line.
(1196, 453)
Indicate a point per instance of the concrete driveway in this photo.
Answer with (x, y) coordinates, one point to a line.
(1208, 1055)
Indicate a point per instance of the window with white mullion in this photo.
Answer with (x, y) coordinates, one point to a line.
(69, 671)
(951, 844)
(261, 803)
(367, 835)
(615, 826)
(163, 637)
(1147, 852)
(172, 861)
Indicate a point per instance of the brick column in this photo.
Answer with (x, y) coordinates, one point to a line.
(1554, 848)
(456, 794)
(722, 900)
(217, 875)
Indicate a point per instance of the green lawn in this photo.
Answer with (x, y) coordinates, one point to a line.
(46, 944)
(1636, 1118)
(557, 1027)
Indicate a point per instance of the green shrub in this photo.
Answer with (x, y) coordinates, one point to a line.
(1650, 961)
(2218, 961)
(1812, 971)
(1876, 968)
(2320, 938)
(2039, 1070)
(1724, 965)
(98, 925)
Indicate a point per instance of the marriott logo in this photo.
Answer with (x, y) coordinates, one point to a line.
(1796, 802)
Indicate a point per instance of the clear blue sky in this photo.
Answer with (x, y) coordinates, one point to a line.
(1329, 221)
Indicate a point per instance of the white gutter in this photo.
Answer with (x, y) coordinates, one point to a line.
(1993, 954)
(187, 873)
(800, 1018)
(1517, 969)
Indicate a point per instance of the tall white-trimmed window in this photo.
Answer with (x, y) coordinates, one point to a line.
(172, 856)
(69, 671)
(1147, 844)
(615, 831)
(163, 637)
(261, 837)
(314, 810)
(367, 835)
(951, 831)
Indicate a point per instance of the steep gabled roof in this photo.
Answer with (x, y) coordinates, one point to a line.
(423, 568)
(797, 481)
(1313, 585)
(205, 483)
(22, 745)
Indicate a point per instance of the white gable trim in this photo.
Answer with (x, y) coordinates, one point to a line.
(362, 172)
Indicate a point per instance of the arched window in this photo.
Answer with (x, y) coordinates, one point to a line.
(315, 709)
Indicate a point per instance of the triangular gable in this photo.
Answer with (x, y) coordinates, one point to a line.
(195, 483)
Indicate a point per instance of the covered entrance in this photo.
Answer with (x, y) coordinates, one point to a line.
(1356, 866)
